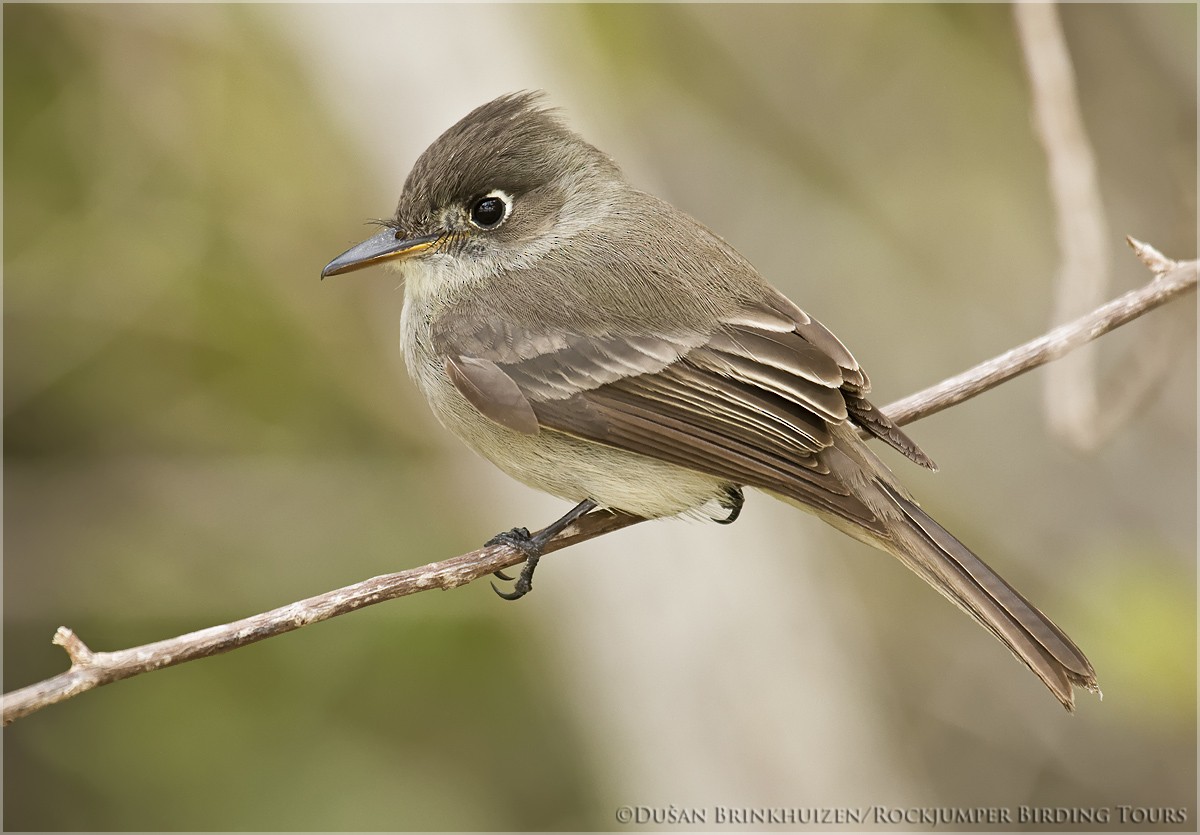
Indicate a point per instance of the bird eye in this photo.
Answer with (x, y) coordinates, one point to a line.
(489, 211)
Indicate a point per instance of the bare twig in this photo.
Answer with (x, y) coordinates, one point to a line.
(92, 669)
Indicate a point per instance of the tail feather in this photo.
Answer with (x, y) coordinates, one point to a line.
(963, 578)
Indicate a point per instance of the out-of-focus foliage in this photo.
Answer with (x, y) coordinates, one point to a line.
(160, 188)
(197, 429)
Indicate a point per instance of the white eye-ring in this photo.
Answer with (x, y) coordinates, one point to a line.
(491, 210)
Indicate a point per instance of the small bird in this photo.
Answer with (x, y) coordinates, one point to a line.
(597, 343)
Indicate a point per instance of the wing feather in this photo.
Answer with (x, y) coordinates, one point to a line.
(493, 392)
(752, 401)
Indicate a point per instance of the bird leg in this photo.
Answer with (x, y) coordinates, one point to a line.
(531, 546)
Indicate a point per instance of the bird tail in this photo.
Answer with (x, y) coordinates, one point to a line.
(936, 556)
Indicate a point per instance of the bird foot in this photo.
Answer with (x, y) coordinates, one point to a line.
(520, 540)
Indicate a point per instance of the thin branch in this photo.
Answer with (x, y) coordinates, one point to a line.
(1171, 279)
(92, 669)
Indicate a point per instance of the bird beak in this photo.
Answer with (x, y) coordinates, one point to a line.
(387, 245)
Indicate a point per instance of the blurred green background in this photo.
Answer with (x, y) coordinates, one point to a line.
(196, 428)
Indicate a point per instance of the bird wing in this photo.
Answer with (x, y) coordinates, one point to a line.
(756, 402)
(752, 402)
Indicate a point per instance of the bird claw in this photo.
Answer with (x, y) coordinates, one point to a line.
(515, 594)
(524, 583)
(520, 540)
(531, 546)
(734, 499)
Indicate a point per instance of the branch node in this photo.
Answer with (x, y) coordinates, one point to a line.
(76, 649)
(1158, 263)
